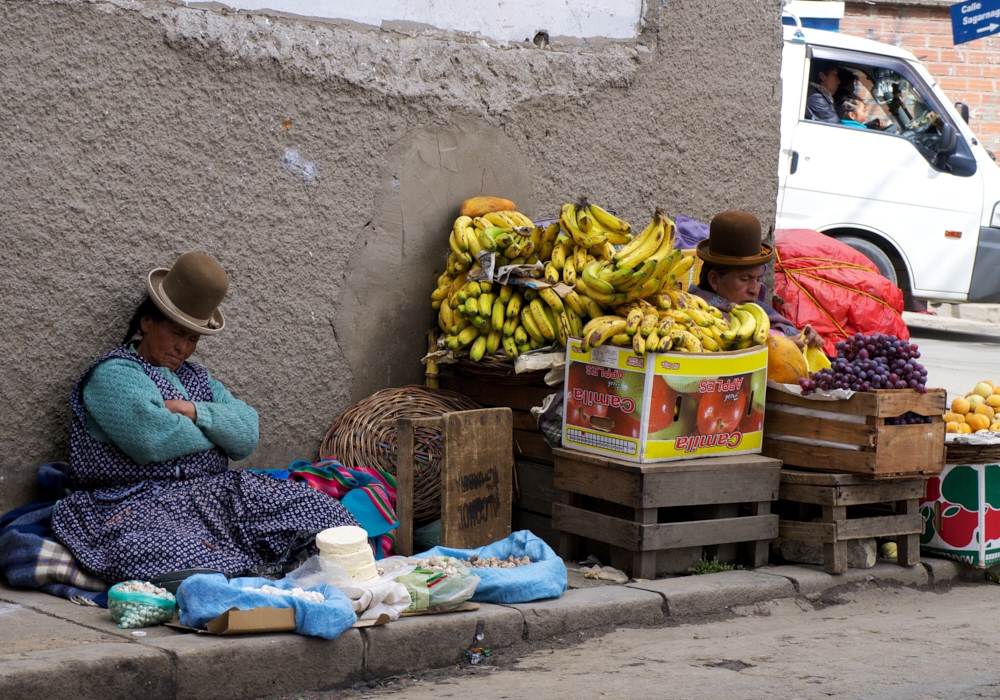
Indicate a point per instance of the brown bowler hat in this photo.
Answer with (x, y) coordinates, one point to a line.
(734, 240)
(190, 292)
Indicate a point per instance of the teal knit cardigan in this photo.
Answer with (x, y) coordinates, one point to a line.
(123, 406)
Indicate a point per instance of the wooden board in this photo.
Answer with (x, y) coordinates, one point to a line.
(525, 421)
(594, 526)
(598, 480)
(922, 458)
(853, 529)
(539, 525)
(519, 398)
(783, 423)
(536, 479)
(476, 477)
(884, 403)
(531, 445)
(678, 465)
(853, 495)
(698, 533)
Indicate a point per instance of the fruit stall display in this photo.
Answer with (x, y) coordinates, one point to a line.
(976, 412)
(888, 423)
(961, 513)
(592, 279)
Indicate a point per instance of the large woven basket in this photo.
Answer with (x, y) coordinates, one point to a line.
(972, 454)
(358, 438)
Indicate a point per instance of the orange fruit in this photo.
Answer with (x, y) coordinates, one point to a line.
(960, 405)
(964, 429)
(954, 418)
(978, 422)
(951, 427)
(993, 401)
(995, 427)
(987, 411)
(969, 415)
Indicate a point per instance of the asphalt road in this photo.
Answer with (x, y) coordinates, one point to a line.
(956, 360)
(866, 642)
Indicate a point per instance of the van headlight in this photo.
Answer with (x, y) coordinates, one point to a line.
(995, 219)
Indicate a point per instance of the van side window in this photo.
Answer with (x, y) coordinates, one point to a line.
(873, 98)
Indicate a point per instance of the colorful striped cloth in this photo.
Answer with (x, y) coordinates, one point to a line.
(369, 495)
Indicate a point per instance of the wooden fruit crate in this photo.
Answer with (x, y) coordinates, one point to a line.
(865, 444)
(519, 398)
(834, 493)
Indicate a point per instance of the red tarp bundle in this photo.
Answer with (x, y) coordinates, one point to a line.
(834, 288)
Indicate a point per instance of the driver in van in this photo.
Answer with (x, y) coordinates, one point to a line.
(824, 79)
(732, 272)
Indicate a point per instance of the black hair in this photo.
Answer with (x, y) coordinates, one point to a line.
(820, 65)
(707, 267)
(146, 308)
(847, 104)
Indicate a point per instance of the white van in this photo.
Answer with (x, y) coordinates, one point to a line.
(921, 199)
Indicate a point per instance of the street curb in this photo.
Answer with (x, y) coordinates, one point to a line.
(178, 667)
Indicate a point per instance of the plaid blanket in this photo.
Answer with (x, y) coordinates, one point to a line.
(31, 558)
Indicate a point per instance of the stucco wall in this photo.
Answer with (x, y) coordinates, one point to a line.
(321, 163)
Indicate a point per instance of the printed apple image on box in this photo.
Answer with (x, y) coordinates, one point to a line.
(663, 406)
(961, 512)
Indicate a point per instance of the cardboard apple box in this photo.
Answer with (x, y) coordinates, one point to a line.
(663, 406)
(961, 512)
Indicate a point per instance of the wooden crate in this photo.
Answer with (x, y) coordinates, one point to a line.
(886, 451)
(834, 493)
(476, 478)
(520, 399)
(534, 495)
(642, 490)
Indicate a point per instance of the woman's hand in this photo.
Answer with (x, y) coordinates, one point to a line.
(185, 408)
(812, 338)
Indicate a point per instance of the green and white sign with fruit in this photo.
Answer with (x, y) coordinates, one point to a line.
(663, 406)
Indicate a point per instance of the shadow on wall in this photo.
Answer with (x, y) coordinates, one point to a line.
(385, 309)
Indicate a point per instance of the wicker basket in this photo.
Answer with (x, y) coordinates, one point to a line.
(972, 454)
(359, 439)
(498, 370)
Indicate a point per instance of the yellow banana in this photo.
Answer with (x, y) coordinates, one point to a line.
(499, 218)
(710, 344)
(472, 240)
(486, 241)
(748, 324)
(622, 340)
(444, 317)
(551, 273)
(652, 341)
(608, 220)
(549, 296)
(493, 341)
(664, 327)
(637, 241)
(762, 321)
(648, 323)
(638, 344)
(510, 347)
(519, 219)
(506, 292)
(497, 316)
(538, 315)
(575, 321)
(567, 220)
(514, 305)
(528, 322)
(644, 251)
(689, 343)
(569, 272)
(486, 304)
(521, 335)
(592, 280)
(467, 336)
(633, 320)
(660, 301)
(594, 309)
(579, 258)
(564, 330)
(511, 325)
(441, 293)
(699, 317)
(611, 326)
(575, 302)
(680, 269)
(559, 256)
(744, 344)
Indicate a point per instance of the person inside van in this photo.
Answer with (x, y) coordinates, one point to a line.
(852, 111)
(732, 272)
(824, 79)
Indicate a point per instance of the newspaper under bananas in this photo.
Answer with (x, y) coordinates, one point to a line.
(614, 287)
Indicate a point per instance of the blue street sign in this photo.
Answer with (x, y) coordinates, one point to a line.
(974, 19)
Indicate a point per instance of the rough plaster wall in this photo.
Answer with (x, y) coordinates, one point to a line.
(321, 163)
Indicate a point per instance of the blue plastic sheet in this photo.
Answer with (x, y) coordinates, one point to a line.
(545, 577)
(204, 597)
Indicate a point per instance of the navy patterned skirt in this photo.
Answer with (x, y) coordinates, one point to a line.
(234, 522)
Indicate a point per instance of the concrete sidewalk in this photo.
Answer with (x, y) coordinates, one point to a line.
(55, 649)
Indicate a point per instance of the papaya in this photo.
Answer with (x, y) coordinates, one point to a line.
(478, 206)
(785, 362)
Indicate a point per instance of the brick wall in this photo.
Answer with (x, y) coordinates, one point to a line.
(968, 73)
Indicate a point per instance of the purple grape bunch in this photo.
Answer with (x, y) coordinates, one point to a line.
(909, 418)
(869, 362)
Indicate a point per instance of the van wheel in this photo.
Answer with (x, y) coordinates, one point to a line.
(875, 254)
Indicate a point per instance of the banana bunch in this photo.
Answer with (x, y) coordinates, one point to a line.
(510, 234)
(619, 288)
